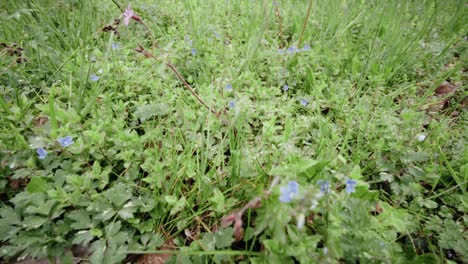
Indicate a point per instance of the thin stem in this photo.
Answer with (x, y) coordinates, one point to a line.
(305, 24)
(280, 24)
(179, 76)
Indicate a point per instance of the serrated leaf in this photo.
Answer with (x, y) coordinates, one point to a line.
(218, 201)
(148, 111)
(118, 194)
(82, 237)
(37, 185)
(178, 206)
(112, 229)
(98, 248)
(224, 237)
(127, 211)
(8, 216)
(33, 222)
(81, 219)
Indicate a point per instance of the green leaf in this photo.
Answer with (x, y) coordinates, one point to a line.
(8, 216)
(127, 210)
(148, 111)
(98, 248)
(37, 185)
(35, 221)
(177, 204)
(218, 201)
(363, 192)
(356, 173)
(430, 204)
(81, 219)
(118, 194)
(224, 237)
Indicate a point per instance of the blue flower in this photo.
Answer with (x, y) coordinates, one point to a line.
(290, 50)
(324, 186)
(229, 87)
(94, 78)
(280, 51)
(42, 153)
(231, 104)
(285, 87)
(306, 48)
(350, 185)
(66, 141)
(194, 51)
(289, 191)
(304, 102)
(115, 46)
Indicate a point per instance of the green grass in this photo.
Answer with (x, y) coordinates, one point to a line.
(151, 166)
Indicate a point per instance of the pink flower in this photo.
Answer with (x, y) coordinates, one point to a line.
(129, 14)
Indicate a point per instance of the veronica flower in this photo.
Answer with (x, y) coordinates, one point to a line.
(42, 153)
(289, 191)
(421, 137)
(285, 87)
(306, 48)
(94, 78)
(350, 185)
(66, 141)
(232, 104)
(194, 51)
(229, 87)
(304, 102)
(115, 46)
(324, 186)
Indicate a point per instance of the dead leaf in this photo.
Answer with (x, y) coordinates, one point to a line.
(446, 88)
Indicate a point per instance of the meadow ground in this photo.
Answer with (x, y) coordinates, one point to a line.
(209, 131)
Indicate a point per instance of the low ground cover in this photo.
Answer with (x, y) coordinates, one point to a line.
(233, 131)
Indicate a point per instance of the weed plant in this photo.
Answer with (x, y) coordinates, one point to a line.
(208, 131)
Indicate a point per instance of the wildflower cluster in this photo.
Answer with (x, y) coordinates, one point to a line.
(291, 190)
(293, 49)
(64, 142)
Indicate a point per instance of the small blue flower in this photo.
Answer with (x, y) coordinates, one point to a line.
(289, 191)
(66, 141)
(350, 185)
(94, 78)
(216, 35)
(306, 48)
(285, 87)
(324, 186)
(290, 50)
(232, 104)
(42, 153)
(304, 102)
(193, 51)
(280, 51)
(115, 46)
(229, 87)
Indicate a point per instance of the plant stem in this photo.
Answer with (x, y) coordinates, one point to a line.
(305, 23)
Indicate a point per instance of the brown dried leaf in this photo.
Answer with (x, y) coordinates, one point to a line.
(446, 88)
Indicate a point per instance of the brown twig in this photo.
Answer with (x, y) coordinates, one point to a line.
(280, 23)
(236, 217)
(179, 76)
(305, 23)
